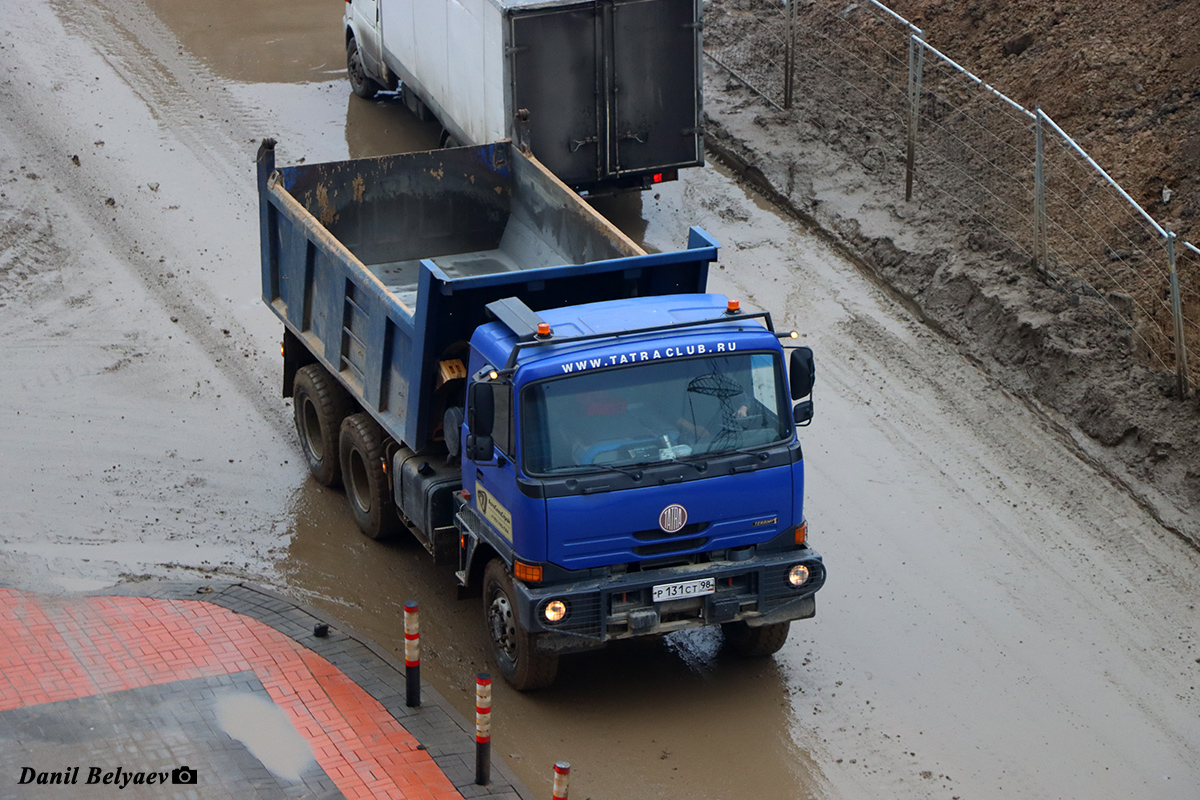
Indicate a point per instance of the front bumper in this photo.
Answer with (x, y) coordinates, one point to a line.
(599, 610)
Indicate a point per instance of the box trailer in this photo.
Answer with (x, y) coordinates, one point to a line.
(607, 92)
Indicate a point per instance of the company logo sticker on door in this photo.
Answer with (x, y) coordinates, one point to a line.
(493, 512)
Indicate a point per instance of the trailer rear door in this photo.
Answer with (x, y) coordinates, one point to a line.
(612, 87)
(555, 73)
(655, 48)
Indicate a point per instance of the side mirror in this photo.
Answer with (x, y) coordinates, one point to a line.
(802, 414)
(801, 372)
(480, 447)
(481, 409)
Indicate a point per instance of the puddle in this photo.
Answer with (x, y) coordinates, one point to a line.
(266, 731)
(303, 41)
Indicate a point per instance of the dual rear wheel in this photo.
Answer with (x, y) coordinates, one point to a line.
(344, 448)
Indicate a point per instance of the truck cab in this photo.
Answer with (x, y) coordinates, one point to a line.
(635, 467)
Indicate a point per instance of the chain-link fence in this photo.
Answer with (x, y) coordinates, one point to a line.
(1015, 179)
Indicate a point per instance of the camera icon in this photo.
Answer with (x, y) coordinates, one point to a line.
(184, 774)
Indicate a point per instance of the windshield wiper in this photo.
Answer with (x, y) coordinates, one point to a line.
(632, 470)
(698, 464)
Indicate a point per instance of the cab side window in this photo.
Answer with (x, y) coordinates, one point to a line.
(502, 433)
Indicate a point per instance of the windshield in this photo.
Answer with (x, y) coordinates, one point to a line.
(656, 412)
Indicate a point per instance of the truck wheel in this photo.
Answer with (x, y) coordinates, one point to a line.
(319, 404)
(367, 486)
(512, 646)
(755, 642)
(361, 83)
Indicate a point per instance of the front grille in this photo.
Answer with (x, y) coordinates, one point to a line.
(658, 533)
(670, 547)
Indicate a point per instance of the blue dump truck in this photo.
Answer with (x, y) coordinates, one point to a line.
(600, 448)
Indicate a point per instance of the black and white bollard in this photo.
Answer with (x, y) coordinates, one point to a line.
(562, 774)
(483, 728)
(412, 654)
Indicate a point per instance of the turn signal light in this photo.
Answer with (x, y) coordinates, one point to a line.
(530, 573)
(802, 534)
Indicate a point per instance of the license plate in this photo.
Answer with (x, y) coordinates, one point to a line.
(683, 589)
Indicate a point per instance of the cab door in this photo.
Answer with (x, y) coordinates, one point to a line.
(518, 521)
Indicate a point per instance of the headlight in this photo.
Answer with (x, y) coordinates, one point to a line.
(555, 611)
(798, 575)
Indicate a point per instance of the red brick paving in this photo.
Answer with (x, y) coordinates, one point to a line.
(55, 649)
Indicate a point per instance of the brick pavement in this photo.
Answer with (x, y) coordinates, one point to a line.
(228, 681)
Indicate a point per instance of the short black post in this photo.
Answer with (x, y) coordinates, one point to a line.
(483, 728)
(412, 654)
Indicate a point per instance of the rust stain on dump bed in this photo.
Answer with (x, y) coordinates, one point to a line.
(327, 213)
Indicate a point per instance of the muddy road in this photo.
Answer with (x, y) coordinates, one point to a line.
(1000, 620)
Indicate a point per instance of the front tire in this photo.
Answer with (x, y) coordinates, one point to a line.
(512, 646)
(319, 404)
(361, 83)
(755, 642)
(367, 486)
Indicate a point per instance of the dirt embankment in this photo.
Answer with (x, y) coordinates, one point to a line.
(1122, 78)
(1126, 83)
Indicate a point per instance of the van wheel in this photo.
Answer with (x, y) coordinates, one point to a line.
(367, 486)
(749, 642)
(319, 404)
(361, 83)
(512, 646)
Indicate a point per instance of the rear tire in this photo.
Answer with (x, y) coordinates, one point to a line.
(319, 404)
(367, 486)
(361, 83)
(512, 646)
(749, 642)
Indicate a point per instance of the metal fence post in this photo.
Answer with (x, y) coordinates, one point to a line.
(916, 64)
(789, 52)
(1040, 232)
(1181, 367)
